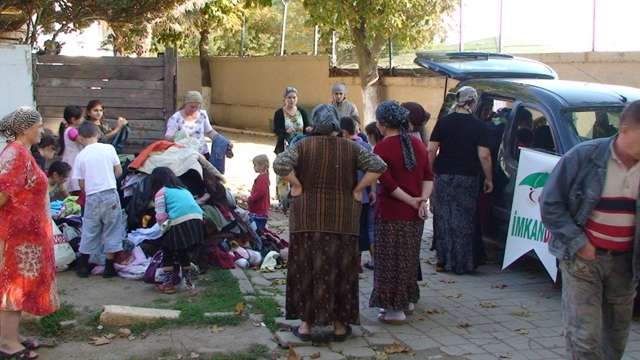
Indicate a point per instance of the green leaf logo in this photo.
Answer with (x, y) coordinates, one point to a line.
(535, 180)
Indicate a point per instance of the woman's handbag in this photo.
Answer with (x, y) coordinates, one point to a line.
(155, 271)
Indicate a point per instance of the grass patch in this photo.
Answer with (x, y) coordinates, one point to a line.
(50, 324)
(218, 291)
(268, 307)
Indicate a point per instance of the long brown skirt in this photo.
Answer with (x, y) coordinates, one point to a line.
(322, 278)
(397, 255)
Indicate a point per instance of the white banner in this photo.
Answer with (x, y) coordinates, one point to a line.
(526, 231)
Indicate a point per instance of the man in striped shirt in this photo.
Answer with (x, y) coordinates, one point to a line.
(590, 205)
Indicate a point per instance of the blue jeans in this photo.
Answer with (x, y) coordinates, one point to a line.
(597, 305)
(102, 220)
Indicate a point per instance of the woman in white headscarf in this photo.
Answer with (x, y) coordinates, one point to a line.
(28, 281)
(460, 141)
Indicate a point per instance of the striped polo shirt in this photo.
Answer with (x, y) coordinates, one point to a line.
(611, 225)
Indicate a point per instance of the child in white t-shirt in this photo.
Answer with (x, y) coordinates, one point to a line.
(96, 168)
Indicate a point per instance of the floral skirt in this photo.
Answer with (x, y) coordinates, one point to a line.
(397, 254)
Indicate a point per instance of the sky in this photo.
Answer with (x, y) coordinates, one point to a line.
(563, 24)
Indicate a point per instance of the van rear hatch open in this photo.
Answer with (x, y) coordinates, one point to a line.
(474, 65)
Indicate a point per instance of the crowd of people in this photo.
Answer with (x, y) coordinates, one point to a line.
(345, 192)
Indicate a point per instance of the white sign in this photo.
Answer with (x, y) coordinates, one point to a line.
(526, 231)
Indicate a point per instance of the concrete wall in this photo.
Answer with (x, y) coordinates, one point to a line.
(246, 91)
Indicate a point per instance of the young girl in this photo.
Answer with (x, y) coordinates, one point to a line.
(174, 202)
(259, 200)
(95, 114)
(373, 133)
(45, 150)
(69, 148)
(58, 172)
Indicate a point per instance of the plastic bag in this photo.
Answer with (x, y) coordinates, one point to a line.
(155, 271)
(63, 252)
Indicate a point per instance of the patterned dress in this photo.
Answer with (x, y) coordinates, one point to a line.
(27, 279)
(322, 275)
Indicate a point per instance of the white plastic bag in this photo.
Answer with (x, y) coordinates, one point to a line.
(63, 252)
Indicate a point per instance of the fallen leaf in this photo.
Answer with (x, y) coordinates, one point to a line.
(421, 318)
(424, 284)
(315, 355)
(144, 334)
(216, 329)
(131, 338)
(110, 336)
(124, 332)
(293, 355)
(544, 295)
(529, 276)
(179, 357)
(411, 354)
(463, 325)
(499, 286)
(97, 341)
(430, 261)
(397, 349)
(522, 331)
(447, 280)
(280, 281)
(505, 356)
(522, 313)
(488, 305)
(194, 355)
(434, 311)
(239, 308)
(189, 300)
(192, 293)
(380, 355)
(456, 295)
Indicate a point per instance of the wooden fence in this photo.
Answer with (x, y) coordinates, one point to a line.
(143, 90)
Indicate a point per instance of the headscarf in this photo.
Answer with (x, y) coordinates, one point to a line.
(418, 116)
(465, 94)
(289, 89)
(325, 119)
(18, 122)
(392, 115)
(192, 97)
(339, 87)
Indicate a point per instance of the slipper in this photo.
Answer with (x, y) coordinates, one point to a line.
(22, 354)
(382, 319)
(343, 337)
(408, 311)
(303, 337)
(30, 344)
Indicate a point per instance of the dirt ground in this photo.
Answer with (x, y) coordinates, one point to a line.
(88, 296)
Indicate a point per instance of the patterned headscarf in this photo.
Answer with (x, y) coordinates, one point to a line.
(325, 119)
(392, 115)
(464, 94)
(18, 122)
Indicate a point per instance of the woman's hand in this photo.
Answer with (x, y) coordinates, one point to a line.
(416, 202)
(488, 186)
(121, 122)
(372, 197)
(423, 211)
(296, 190)
(357, 195)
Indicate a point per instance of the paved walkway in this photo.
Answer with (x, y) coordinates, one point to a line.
(491, 314)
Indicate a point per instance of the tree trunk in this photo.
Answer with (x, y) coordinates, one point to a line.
(203, 48)
(368, 66)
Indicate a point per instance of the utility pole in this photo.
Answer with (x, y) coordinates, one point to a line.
(284, 25)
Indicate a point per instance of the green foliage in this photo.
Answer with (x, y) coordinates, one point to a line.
(268, 307)
(50, 324)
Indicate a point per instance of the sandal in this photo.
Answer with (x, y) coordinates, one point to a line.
(165, 289)
(30, 344)
(382, 319)
(342, 337)
(303, 337)
(440, 267)
(22, 354)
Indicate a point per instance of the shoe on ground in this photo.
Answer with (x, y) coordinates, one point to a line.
(369, 266)
(165, 289)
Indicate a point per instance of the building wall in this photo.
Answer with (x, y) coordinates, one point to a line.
(246, 91)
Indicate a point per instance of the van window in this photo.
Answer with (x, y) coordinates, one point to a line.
(592, 122)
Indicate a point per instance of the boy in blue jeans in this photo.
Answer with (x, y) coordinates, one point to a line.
(96, 169)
